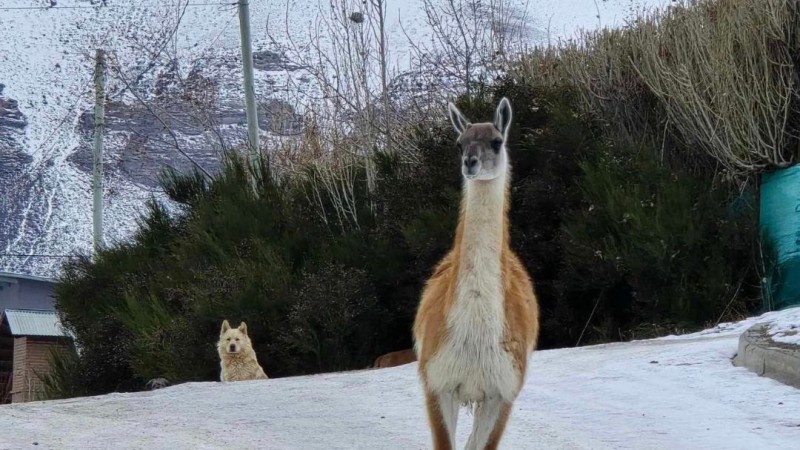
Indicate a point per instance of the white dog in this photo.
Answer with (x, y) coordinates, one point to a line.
(237, 357)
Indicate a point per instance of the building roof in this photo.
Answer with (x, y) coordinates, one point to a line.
(27, 277)
(29, 322)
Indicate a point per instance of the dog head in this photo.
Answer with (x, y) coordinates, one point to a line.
(234, 340)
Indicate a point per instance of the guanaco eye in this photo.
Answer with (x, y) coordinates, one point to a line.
(497, 144)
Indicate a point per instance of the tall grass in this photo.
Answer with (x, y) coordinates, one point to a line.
(719, 75)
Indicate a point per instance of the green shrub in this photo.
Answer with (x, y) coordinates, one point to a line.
(331, 321)
(650, 245)
(324, 292)
(64, 377)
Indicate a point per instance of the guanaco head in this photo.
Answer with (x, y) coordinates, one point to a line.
(483, 145)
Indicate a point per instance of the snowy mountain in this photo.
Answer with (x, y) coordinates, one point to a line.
(678, 392)
(191, 78)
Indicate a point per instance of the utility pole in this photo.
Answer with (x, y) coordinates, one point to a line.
(97, 156)
(249, 86)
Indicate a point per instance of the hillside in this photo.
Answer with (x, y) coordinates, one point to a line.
(46, 101)
(674, 392)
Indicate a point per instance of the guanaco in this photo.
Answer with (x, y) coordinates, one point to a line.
(393, 359)
(478, 319)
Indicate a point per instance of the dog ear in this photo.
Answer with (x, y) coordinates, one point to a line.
(243, 328)
(225, 327)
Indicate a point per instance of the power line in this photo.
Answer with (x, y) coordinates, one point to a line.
(52, 8)
(25, 255)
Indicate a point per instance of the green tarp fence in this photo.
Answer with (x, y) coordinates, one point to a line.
(780, 232)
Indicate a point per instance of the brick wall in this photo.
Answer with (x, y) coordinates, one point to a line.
(31, 358)
(20, 369)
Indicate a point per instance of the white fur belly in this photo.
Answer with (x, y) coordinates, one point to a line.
(472, 363)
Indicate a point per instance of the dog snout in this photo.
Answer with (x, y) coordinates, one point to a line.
(232, 348)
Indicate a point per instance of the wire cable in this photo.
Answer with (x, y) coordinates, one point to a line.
(53, 8)
(32, 255)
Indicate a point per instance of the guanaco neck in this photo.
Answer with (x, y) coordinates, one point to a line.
(482, 233)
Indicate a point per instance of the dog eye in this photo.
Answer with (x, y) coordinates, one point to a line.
(229, 339)
(497, 144)
(237, 339)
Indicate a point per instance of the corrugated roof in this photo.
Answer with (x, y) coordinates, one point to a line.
(27, 277)
(27, 322)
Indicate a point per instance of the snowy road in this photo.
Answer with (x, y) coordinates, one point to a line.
(671, 393)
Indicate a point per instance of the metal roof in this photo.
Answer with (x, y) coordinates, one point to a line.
(27, 277)
(28, 322)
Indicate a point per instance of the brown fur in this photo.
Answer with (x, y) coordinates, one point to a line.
(440, 294)
(395, 359)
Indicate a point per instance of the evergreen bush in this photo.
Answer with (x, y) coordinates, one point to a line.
(617, 241)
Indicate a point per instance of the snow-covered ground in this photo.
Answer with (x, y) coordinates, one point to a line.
(679, 392)
(786, 327)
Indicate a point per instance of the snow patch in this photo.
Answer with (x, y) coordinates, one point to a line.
(785, 328)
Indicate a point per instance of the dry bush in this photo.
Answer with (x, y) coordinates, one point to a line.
(472, 43)
(330, 167)
(327, 165)
(597, 67)
(346, 53)
(725, 72)
(722, 75)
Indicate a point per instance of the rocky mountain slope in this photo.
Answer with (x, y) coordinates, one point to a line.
(172, 87)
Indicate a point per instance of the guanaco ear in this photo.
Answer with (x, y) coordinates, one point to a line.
(243, 328)
(460, 123)
(225, 327)
(502, 117)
